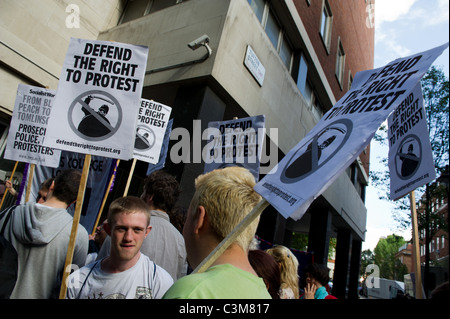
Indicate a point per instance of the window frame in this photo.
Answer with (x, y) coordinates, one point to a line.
(283, 39)
(316, 106)
(326, 25)
(301, 76)
(271, 17)
(340, 63)
(284, 42)
(350, 80)
(263, 10)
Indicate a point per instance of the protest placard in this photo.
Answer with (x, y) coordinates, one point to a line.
(235, 142)
(28, 127)
(163, 154)
(342, 134)
(411, 163)
(152, 121)
(96, 104)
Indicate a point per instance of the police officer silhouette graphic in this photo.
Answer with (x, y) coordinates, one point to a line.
(317, 151)
(94, 125)
(95, 115)
(306, 162)
(408, 162)
(145, 138)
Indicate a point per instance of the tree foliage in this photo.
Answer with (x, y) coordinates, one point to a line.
(367, 258)
(384, 256)
(300, 242)
(435, 87)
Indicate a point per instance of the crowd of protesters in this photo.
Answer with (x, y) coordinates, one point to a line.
(138, 251)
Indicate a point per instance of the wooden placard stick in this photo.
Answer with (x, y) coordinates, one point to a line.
(416, 246)
(29, 182)
(227, 241)
(130, 176)
(10, 178)
(105, 197)
(75, 223)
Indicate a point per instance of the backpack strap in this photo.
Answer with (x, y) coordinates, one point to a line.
(85, 279)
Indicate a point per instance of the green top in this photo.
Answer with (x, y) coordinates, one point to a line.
(219, 282)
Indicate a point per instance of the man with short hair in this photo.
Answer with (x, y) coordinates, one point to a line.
(40, 233)
(165, 244)
(221, 201)
(126, 273)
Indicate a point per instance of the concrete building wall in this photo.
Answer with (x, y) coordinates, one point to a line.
(167, 34)
(35, 36)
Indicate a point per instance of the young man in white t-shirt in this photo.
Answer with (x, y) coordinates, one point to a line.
(126, 273)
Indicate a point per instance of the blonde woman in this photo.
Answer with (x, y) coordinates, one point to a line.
(288, 266)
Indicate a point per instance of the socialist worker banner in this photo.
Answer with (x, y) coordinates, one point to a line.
(28, 127)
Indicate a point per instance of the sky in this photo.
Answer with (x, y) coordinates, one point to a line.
(402, 28)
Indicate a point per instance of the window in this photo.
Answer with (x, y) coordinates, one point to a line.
(286, 53)
(350, 80)
(134, 10)
(274, 30)
(316, 108)
(306, 88)
(363, 192)
(138, 9)
(308, 93)
(325, 25)
(340, 63)
(258, 7)
(156, 5)
(302, 74)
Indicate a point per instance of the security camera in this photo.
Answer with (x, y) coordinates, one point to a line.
(202, 41)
